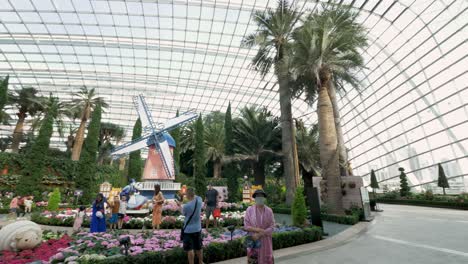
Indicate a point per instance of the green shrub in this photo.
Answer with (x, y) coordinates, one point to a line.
(341, 219)
(276, 193)
(404, 187)
(88, 158)
(199, 166)
(54, 200)
(428, 195)
(438, 204)
(299, 209)
(353, 218)
(135, 164)
(217, 181)
(391, 195)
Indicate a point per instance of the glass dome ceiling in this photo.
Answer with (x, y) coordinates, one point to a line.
(412, 110)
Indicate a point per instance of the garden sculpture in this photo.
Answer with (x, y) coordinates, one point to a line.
(20, 235)
(134, 199)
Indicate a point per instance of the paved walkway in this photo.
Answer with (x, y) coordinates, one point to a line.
(401, 234)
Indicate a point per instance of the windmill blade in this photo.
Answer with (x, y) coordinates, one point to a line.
(166, 156)
(143, 112)
(180, 120)
(137, 144)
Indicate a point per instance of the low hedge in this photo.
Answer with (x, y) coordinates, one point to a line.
(428, 203)
(350, 219)
(341, 219)
(216, 252)
(281, 210)
(42, 220)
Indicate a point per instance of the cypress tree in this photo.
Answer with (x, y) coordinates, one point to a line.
(299, 209)
(135, 162)
(373, 182)
(442, 181)
(54, 200)
(404, 187)
(230, 169)
(87, 162)
(4, 92)
(175, 133)
(199, 165)
(31, 182)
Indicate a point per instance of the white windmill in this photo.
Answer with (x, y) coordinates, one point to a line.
(156, 138)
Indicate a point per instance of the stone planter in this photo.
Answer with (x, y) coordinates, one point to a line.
(352, 198)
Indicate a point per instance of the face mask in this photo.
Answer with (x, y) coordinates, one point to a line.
(260, 200)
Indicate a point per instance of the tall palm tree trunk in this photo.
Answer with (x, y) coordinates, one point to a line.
(217, 169)
(328, 151)
(259, 173)
(18, 133)
(76, 152)
(343, 155)
(286, 128)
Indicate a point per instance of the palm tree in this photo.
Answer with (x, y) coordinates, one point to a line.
(326, 55)
(109, 133)
(26, 102)
(70, 139)
(62, 110)
(273, 37)
(308, 148)
(256, 137)
(85, 103)
(214, 142)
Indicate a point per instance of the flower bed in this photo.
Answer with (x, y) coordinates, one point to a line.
(164, 247)
(148, 247)
(171, 208)
(44, 252)
(67, 217)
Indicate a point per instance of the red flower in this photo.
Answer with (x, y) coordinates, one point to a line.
(42, 252)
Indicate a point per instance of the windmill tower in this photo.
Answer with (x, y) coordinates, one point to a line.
(159, 165)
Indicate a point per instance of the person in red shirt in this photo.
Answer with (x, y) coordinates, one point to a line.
(14, 205)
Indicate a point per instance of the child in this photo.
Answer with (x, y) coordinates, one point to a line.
(28, 204)
(122, 211)
(115, 208)
(79, 218)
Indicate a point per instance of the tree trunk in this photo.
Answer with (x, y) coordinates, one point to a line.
(286, 129)
(259, 173)
(297, 177)
(18, 133)
(443, 190)
(328, 143)
(100, 160)
(76, 152)
(343, 155)
(122, 164)
(217, 169)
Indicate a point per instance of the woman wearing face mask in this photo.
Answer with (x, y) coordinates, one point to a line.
(260, 222)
